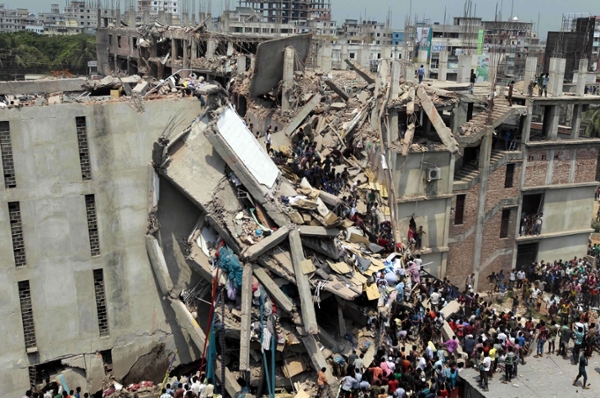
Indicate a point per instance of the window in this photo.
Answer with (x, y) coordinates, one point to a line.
(8, 166)
(459, 209)
(101, 302)
(90, 208)
(27, 315)
(510, 173)
(16, 230)
(84, 154)
(504, 223)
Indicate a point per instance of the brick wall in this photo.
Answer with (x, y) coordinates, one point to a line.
(562, 166)
(497, 252)
(496, 190)
(586, 159)
(537, 166)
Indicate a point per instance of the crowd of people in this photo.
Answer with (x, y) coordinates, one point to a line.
(54, 390)
(414, 358)
(531, 224)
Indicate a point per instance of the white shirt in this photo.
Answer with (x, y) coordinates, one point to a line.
(521, 275)
(196, 387)
(487, 362)
(422, 363)
(434, 298)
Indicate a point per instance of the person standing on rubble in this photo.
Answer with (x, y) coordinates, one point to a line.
(322, 382)
(472, 80)
(511, 86)
(374, 219)
(421, 74)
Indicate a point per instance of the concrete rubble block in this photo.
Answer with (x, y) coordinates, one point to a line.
(253, 252)
(360, 72)
(246, 316)
(278, 295)
(302, 114)
(187, 322)
(159, 265)
(268, 70)
(308, 308)
(315, 231)
(141, 88)
(337, 90)
(336, 106)
(440, 127)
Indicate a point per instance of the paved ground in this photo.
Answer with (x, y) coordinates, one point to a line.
(548, 377)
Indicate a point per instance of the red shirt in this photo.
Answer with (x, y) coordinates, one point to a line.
(393, 386)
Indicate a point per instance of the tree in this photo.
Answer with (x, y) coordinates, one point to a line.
(18, 56)
(593, 117)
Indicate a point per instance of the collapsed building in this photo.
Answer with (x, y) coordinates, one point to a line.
(166, 195)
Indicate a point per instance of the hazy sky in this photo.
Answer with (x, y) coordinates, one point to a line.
(525, 10)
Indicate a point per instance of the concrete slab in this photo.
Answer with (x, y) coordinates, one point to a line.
(268, 69)
(159, 265)
(274, 290)
(302, 114)
(308, 308)
(253, 252)
(246, 319)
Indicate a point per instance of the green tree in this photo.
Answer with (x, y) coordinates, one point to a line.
(77, 54)
(19, 56)
(592, 116)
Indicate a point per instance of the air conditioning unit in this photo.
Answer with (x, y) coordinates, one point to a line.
(434, 174)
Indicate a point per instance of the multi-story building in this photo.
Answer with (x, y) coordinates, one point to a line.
(85, 13)
(355, 31)
(78, 295)
(154, 6)
(397, 38)
(578, 38)
(15, 20)
(67, 26)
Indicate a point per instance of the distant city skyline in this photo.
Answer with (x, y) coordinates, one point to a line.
(431, 9)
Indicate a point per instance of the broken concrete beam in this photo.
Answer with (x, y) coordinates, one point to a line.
(329, 199)
(246, 319)
(440, 127)
(253, 252)
(316, 356)
(159, 265)
(327, 339)
(337, 90)
(187, 322)
(360, 72)
(310, 230)
(306, 301)
(303, 114)
(141, 88)
(326, 247)
(408, 138)
(274, 290)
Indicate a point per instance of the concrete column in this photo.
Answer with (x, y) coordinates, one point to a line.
(484, 168)
(582, 77)
(443, 66)
(530, 69)
(241, 64)
(395, 87)
(576, 121)
(364, 56)
(557, 76)
(146, 16)
(169, 18)
(186, 53)
(343, 57)
(526, 131)
(326, 52)
(288, 77)
(464, 69)
(470, 106)
(459, 116)
(553, 115)
(161, 16)
(405, 54)
(410, 72)
(423, 60)
(173, 50)
(252, 61)
(211, 47)
(118, 17)
(386, 52)
(393, 133)
(229, 49)
(193, 48)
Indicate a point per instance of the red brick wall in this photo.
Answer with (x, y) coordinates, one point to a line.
(492, 243)
(460, 256)
(537, 166)
(562, 166)
(496, 190)
(586, 159)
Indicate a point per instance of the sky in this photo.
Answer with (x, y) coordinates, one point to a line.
(526, 10)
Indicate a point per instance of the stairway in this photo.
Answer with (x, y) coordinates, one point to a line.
(467, 172)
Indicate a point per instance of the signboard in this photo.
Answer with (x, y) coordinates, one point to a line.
(92, 64)
(424, 36)
(436, 48)
(480, 43)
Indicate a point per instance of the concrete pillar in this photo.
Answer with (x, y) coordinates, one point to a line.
(161, 16)
(252, 61)
(576, 121)
(557, 76)
(229, 49)
(443, 66)
(118, 17)
(410, 72)
(423, 60)
(324, 58)
(343, 57)
(526, 131)
(186, 53)
(395, 87)
(530, 69)
(470, 106)
(464, 69)
(174, 50)
(169, 18)
(211, 47)
(146, 16)
(193, 48)
(386, 52)
(364, 56)
(582, 77)
(241, 64)
(459, 116)
(484, 168)
(226, 21)
(288, 77)
(551, 117)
